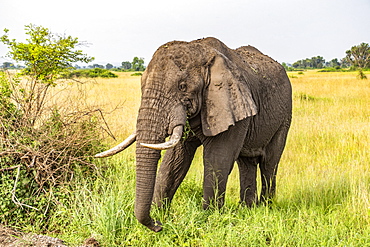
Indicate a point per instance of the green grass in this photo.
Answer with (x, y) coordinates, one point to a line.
(323, 185)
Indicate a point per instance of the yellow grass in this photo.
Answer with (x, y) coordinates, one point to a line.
(118, 98)
(328, 141)
(331, 119)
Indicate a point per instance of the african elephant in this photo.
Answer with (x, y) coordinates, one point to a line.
(238, 105)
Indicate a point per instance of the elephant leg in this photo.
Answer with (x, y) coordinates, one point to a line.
(174, 167)
(220, 153)
(269, 164)
(248, 184)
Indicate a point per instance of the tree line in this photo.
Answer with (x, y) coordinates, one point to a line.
(357, 58)
(137, 64)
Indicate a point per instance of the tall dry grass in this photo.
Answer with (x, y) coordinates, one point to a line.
(117, 98)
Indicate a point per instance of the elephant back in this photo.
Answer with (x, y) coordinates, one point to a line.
(262, 65)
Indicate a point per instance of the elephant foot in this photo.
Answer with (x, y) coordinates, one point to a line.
(156, 226)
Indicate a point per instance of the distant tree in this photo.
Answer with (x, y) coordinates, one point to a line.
(20, 66)
(297, 64)
(7, 65)
(108, 66)
(317, 62)
(334, 63)
(284, 65)
(307, 63)
(344, 63)
(126, 65)
(359, 56)
(97, 66)
(287, 66)
(138, 64)
(301, 64)
(310, 63)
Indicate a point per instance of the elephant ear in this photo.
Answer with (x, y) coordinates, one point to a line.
(227, 97)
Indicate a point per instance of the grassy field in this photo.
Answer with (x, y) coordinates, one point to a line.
(323, 184)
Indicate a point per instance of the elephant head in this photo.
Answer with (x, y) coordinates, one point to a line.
(183, 80)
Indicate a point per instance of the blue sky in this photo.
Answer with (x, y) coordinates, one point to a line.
(118, 30)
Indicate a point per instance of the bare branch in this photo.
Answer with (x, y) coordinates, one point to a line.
(9, 168)
(14, 198)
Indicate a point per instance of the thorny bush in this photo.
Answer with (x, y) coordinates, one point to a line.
(42, 146)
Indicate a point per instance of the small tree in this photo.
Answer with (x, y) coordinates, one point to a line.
(97, 66)
(287, 67)
(126, 65)
(8, 65)
(359, 57)
(334, 63)
(344, 63)
(108, 66)
(138, 64)
(317, 62)
(46, 56)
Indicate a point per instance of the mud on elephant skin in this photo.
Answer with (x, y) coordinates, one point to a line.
(238, 103)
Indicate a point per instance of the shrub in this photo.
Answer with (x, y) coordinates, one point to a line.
(361, 75)
(335, 69)
(304, 97)
(40, 151)
(89, 73)
(42, 143)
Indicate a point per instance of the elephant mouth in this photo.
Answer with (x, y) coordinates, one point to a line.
(192, 107)
(172, 142)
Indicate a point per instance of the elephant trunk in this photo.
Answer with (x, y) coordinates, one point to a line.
(146, 169)
(153, 125)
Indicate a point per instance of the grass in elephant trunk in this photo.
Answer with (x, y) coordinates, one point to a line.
(323, 182)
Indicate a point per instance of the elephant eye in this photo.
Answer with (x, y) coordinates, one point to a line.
(182, 86)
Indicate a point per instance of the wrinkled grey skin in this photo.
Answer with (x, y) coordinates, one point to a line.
(238, 103)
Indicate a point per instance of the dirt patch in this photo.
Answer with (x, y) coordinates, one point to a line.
(13, 238)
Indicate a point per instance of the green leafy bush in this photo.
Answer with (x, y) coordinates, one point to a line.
(90, 73)
(335, 69)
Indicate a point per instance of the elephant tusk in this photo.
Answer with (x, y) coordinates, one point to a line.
(175, 138)
(120, 147)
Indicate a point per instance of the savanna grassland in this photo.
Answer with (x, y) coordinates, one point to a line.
(323, 184)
